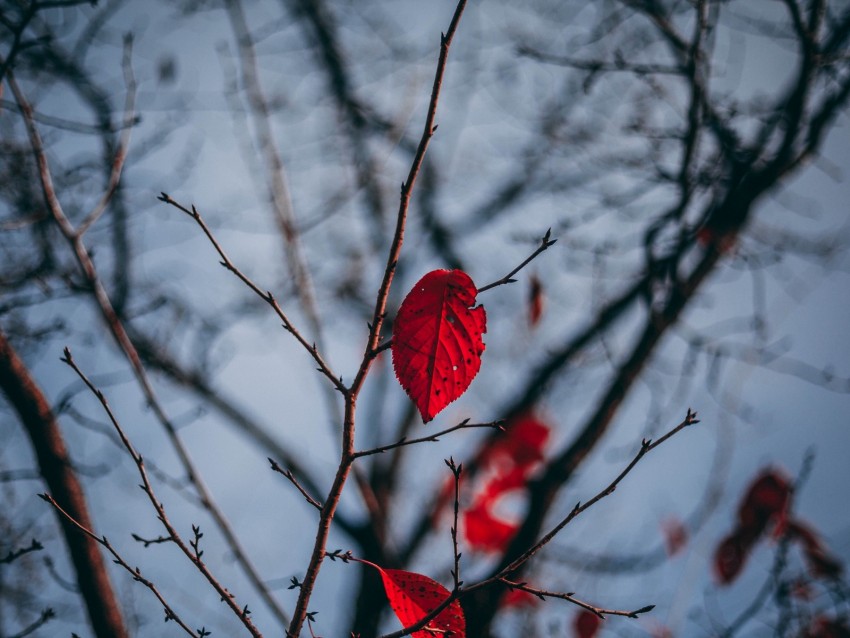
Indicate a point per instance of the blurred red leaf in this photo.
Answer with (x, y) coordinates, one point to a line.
(412, 596)
(586, 624)
(821, 563)
(731, 554)
(437, 340)
(522, 442)
(764, 502)
(510, 460)
(824, 627)
(517, 598)
(660, 631)
(766, 498)
(535, 300)
(675, 535)
(484, 532)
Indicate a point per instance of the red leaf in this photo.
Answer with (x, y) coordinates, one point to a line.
(437, 342)
(510, 459)
(765, 502)
(765, 499)
(731, 554)
(523, 441)
(586, 624)
(413, 596)
(484, 532)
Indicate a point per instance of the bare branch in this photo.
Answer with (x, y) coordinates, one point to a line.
(545, 243)
(15, 554)
(464, 425)
(266, 296)
(135, 572)
(176, 538)
(601, 612)
(646, 447)
(288, 474)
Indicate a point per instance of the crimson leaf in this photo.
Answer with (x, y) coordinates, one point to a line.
(437, 340)
(413, 596)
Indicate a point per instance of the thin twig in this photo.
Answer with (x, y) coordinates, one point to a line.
(545, 243)
(147, 542)
(456, 471)
(595, 66)
(191, 554)
(288, 474)
(135, 572)
(43, 619)
(265, 295)
(601, 612)
(14, 555)
(646, 446)
(433, 438)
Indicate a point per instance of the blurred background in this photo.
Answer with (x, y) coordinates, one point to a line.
(690, 159)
